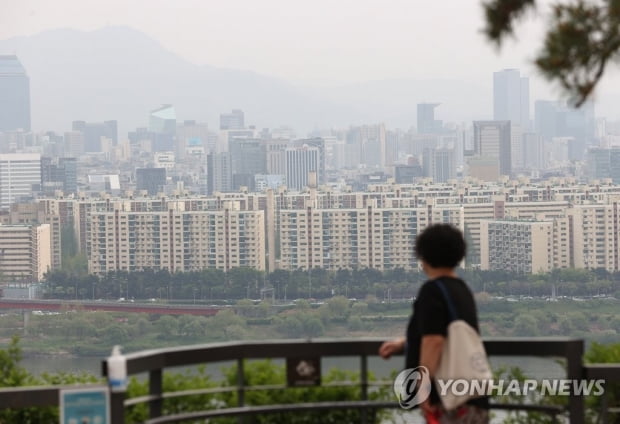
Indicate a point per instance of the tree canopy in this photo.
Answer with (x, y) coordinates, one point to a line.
(582, 37)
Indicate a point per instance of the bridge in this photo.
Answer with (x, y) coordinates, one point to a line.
(73, 305)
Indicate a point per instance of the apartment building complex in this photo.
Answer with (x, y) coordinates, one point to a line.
(175, 239)
(335, 229)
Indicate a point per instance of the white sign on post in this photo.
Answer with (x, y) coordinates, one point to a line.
(85, 406)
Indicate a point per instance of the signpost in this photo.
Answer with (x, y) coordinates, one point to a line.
(303, 372)
(85, 406)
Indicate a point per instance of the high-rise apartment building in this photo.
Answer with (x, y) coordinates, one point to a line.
(232, 121)
(516, 246)
(511, 98)
(373, 237)
(20, 175)
(25, 253)
(176, 240)
(14, 95)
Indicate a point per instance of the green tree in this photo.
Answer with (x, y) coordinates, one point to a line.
(525, 325)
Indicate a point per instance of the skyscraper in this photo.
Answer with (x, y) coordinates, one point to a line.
(14, 95)
(248, 158)
(300, 162)
(163, 125)
(426, 119)
(219, 172)
(20, 173)
(511, 98)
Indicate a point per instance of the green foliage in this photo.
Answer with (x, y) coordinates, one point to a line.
(603, 354)
(13, 375)
(194, 379)
(532, 397)
(264, 373)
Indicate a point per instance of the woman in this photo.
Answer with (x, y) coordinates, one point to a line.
(440, 249)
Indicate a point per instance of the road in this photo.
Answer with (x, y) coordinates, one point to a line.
(144, 308)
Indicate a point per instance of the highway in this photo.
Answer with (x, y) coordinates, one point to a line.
(144, 308)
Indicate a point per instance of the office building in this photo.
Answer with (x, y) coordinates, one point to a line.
(219, 172)
(152, 180)
(97, 134)
(58, 174)
(319, 144)
(492, 141)
(604, 163)
(25, 253)
(555, 119)
(427, 124)
(248, 158)
(302, 167)
(20, 177)
(191, 140)
(232, 121)
(511, 98)
(439, 164)
(14, 95)
(162, 126)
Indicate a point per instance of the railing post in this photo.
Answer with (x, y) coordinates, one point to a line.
(364, 385)
(117, 407)
(155, 389)
(240, 387)
(574, 371)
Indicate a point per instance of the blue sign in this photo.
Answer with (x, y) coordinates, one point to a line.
(85, 406)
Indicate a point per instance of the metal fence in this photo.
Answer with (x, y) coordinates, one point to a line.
(155, 362)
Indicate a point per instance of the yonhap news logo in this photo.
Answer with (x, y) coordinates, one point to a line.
(412, 386)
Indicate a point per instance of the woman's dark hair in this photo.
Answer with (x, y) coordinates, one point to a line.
(441, 246)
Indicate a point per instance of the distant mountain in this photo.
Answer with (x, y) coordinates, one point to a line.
(120, 73)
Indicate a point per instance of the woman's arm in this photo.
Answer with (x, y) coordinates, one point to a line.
(391, 347)
(430, 352)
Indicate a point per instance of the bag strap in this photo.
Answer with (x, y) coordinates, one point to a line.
(446, 296)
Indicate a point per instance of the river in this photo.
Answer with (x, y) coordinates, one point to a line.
(532, 367)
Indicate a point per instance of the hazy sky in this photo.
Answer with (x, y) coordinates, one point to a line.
(331, 41)
(318, 41)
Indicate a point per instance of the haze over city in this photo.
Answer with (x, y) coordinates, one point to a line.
(343, 63)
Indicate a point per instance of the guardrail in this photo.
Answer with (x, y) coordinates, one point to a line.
(155, 362)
